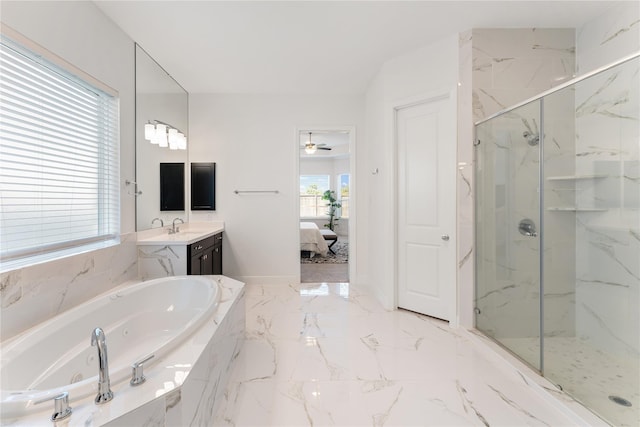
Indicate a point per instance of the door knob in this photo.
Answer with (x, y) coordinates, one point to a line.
(527, 227)
(445, 237)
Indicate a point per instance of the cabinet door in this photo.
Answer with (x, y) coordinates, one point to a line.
(194, 265)
(203, 186)
(206, 262)
(217, 259)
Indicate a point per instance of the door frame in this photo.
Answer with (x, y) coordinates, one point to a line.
(353, 272)
(392, 125)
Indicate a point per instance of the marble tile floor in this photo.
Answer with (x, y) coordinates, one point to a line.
(329, 354)
(589, 374)
(315, 273)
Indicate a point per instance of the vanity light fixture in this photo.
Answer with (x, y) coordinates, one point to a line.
(165, 135)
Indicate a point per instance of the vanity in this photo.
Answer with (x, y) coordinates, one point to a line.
(205, 256)
(195, 249)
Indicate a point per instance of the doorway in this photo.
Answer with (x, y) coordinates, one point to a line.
(326, 208)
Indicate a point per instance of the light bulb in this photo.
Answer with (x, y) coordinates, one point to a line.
(173, 139)
(182, 141)
(161, 132)
(149, 132)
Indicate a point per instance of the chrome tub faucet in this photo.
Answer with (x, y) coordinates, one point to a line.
(99, 340)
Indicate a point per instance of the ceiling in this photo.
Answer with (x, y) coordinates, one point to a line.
(338, 141)
(305, 47)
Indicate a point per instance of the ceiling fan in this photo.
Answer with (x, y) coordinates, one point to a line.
(310, 148)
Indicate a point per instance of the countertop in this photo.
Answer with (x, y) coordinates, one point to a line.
(189, 233)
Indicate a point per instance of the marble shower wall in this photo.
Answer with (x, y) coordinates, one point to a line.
(608, 123)
(508, 67)
(559, 234)
(465, 201)
(609, 37)
(512, 65)
(34, 294)
(608, 242)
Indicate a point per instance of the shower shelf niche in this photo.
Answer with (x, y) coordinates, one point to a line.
(573, 209)
(575, 177)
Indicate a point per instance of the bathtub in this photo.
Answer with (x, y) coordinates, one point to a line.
(148, 318)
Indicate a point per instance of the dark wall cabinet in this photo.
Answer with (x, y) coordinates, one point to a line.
(203, 186)
(205, 256)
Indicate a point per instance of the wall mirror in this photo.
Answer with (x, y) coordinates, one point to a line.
(159, 100)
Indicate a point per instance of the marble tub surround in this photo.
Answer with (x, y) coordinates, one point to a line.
(161, 254)
(329, 354)
(162, 261)
(183, 388)
(30, 295)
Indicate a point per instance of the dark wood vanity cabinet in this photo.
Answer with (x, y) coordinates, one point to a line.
(205, 256)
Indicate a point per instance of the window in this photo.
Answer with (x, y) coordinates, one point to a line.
(311, 189)
(59, 161)
(343, 196)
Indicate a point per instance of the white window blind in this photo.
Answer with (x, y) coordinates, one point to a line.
(59, 160)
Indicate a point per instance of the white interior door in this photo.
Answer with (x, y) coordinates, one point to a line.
(426, 261)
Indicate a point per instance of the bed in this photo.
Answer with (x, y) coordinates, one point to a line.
(312, 240)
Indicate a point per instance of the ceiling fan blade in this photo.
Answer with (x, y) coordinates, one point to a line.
(323, 148)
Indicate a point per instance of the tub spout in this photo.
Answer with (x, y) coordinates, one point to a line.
(99, 340)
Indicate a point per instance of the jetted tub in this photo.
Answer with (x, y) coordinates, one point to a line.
(148, 318)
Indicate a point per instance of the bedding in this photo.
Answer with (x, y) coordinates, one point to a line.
(311, 239)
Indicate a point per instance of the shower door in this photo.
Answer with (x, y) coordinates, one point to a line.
(592, 242)
(508, 285)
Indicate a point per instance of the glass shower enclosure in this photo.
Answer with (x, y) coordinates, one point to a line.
(558, 237)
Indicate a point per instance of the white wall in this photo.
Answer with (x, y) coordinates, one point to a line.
(253, 140)
(80, 34)
(423, 71)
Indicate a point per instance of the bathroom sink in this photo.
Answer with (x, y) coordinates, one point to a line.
(189, 233)
(181, 237)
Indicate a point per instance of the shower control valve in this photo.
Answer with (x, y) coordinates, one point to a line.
(527, 227)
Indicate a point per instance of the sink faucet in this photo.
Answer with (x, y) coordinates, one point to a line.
(175, 229)
(157, 219)
(99, 340)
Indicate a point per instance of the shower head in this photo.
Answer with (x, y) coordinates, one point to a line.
(532, 138)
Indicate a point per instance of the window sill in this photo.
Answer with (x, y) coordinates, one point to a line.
(33, 260)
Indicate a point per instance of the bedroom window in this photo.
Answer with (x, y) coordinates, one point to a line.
(343, 194)
(311, 189)
(59, 160)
